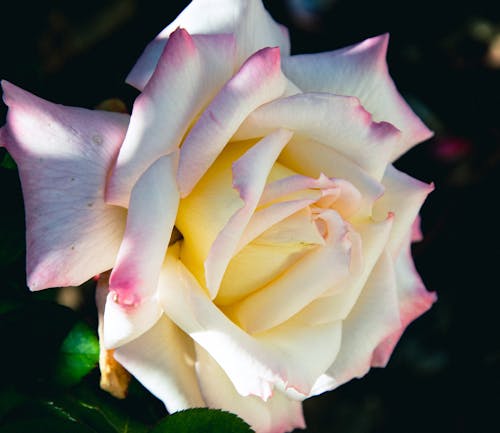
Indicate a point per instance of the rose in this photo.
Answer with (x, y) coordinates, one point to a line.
(292, 272)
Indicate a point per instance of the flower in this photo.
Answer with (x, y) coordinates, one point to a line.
(256, 232)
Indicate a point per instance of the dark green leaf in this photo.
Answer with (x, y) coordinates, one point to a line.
(10, 398)
(79, 354)
(202, 420)
(95, 408)
(8, 162)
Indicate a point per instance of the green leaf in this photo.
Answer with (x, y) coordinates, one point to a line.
(79, 355)
(202, 420)
(8, 162)
(93, 407)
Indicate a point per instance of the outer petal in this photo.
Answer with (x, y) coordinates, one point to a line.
(413, 298)
(239, 17)
(373, 318)
(277, 415)
(360, 70)
(162, 359)
(258, 81)
(122, 325)
(151, 215)
(189, 74)
(64, 155)
(339, 122)
(126, 324)
(403, 196)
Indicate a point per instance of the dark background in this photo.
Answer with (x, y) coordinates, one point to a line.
(444, 374)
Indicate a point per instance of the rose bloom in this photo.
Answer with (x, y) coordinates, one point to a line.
(289, 270)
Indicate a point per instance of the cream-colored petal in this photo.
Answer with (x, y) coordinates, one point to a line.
(162, 359)
(279, 414)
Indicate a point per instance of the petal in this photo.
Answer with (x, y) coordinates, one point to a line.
(126, 324)
(309, 351)
(186, 304)
(294, 226)
(270, 254)
(360, 70)
(63, 155)
(122, 325)
(319, 270)
(258, 81)
(374, 316)
(114, 378)
(337, 305)
(340, 122)
(279, 414)
(151, 215)
(403, 196)
(413, 298)
(239, 17)
(311, 158)
(254, 365)
(189, 74)
(162, 359)
(337, 194)
(250, 173)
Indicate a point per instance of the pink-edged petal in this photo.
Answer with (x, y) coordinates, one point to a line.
(63, 155)
(312, 158)
(319, 270)
(238, 17)
(249, 178)
(360, 70)
(340, 122)
(122, 324)
(279, 414)
(114, 378)
(151, 215)
(337, 305)
(189, 74)
(403, 196)
(162, 359)
(258, 81)
(126, 324)
(413, 298)
(373, 318)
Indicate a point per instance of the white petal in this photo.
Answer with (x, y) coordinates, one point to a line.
(240, 17)
(162, 359)
(374, 316)
(339, 122)
(360, 70)
(279, 414)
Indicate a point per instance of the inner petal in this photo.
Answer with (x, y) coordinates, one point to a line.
(268, 256)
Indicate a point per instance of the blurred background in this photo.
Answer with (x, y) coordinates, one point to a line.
(445, 59)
